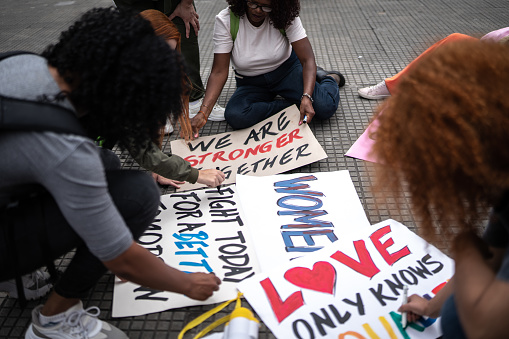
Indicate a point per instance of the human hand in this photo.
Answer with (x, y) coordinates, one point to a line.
(211, 177)
(185, 10)
(197, 122)
(165, 181)
(306, 110)
(416, 307)
(202, 285)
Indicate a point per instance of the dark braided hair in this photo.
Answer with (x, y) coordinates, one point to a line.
(125, 81)
(282, 15)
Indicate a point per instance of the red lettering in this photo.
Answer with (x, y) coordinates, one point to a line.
(282, 309)
(286, 139)
(282, 141)
(203, 156)
(294, 135)
(232, 155)
(252, 151)
(266, 147)
(382, 248)
(364, 266)
(218, 155)
(191, 159)
(438, 288)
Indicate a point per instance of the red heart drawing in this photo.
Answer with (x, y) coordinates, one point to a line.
(321, 278)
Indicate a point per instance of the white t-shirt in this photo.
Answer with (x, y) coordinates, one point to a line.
(257, 50)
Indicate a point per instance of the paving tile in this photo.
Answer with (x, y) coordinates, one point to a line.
(367, 40)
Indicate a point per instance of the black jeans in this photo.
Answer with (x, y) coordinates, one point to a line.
(135, 195)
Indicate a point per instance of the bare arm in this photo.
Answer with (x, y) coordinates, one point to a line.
(142, 267)
(481, 299)
(306, 56)
(215, 84)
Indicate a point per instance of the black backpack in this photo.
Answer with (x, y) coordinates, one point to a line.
(27, 115)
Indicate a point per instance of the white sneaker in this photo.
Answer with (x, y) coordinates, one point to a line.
(35, 285)
(168, 128)
(77, 324)
(217, 113)
(378, 91)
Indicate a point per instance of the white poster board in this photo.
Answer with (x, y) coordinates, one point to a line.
(197, 231)
(353, 287)
(294, 214)
(275, 145)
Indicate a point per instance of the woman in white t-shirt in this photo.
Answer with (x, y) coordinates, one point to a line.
(271, 56)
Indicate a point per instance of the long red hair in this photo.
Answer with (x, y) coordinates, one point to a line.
(168, 31)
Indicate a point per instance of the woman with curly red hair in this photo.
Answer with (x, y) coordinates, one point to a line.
(443, 137)
(271, 56)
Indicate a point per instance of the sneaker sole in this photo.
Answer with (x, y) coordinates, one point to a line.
(373, 97)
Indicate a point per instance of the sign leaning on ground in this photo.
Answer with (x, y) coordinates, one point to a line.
(353, 287)
(197, 231)
(294, 214)
(275, 145)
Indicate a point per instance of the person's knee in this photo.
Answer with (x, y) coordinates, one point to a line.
(238, 119)
(149, 198)
(325, 110)
(136, 197)
(109, 159)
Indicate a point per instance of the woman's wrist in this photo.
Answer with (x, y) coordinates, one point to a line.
(306, 95)
(204, 109)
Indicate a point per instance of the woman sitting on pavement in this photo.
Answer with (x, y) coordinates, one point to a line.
(121, 81)
(272, 56)
(444, 139)
(388, 86)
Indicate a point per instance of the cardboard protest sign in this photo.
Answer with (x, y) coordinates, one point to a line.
(275, 145)
(197, 231)
(361, 149)
(353, 287)
(294, 214)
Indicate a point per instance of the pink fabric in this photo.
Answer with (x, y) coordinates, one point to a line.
(496, 35)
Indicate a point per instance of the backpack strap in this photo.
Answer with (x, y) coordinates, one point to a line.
(234, 26)
(5, 55)
(24, 115)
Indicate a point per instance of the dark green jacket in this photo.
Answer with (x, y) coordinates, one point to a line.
(167, 165)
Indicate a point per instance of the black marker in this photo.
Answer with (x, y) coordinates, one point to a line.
(305, 120)
(218, 186)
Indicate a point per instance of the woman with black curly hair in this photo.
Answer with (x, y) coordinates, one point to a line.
(272, 56)
(121, 81)
(444, 138)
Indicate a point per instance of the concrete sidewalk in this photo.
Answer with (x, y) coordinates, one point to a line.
(367, 40)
